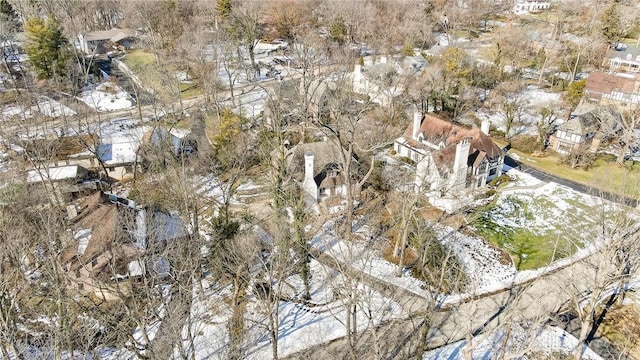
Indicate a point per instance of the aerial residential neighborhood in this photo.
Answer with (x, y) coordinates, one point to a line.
(319, 179)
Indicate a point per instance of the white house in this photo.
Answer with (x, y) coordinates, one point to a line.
(451, 161)
(622, 57)
(319, 170)
(526, 6)
(378, 81)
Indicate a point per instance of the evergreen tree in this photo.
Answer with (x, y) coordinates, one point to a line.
(574, 92)
(8, 15)
(338, 30)
(223, 7)
(46, 47)
(611, 29)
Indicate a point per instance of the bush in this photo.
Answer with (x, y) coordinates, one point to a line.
(408, 161)
(486, 195)
(579, 159)
(502, 179)
(526, 143)
(393, 152)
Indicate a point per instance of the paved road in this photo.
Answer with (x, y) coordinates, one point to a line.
(571, 184)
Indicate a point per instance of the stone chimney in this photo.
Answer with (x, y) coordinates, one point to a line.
(309, 185)
(417, 121)
(485, 127)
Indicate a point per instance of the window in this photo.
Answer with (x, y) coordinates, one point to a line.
(483, 167)
(493, 171)
(563, 148)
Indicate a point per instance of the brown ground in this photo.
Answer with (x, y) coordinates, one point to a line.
(622, 328)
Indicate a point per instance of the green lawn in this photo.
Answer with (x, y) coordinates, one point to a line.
(539, 226)
(137, 60)
(159, 76)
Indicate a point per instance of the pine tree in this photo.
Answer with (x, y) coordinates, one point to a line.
(224, 7)
(46, 47)
(338, 30)
(611, 29)
(9, 15)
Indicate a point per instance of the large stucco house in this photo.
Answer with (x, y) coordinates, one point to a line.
(451, 161)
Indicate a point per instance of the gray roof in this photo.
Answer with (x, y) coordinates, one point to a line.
(324, 153)
(592, 121)
(113, 35)
(622, 51)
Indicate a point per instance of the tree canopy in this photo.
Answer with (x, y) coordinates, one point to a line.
(46, 46)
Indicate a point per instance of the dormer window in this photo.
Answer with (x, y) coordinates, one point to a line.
(420, 138)
(638, 58)
(629, 56)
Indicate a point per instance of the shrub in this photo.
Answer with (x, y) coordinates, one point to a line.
(504, 178)
(526, 143)
(393, 152)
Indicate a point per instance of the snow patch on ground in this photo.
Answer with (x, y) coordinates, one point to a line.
(547, 340)
(106, 96)
(301, 326)
(481, 262)
(44, 106)
(532, 100)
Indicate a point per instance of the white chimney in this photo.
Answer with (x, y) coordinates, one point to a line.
(309, 185)
(417, 121)
(460, 162)
(485, 127)
(357, 69)
(383, 59)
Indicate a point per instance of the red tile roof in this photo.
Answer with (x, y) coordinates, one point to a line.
(437, 131)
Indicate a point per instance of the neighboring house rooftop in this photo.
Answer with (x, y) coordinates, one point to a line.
(603, 83)
(113, 35)
(623, 51)
(54, 174)
(122, 147)
(325, 153)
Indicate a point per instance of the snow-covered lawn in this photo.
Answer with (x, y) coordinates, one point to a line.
(301, 326)
(44, 106)
(547, 340)
(529, 219)
(532, 99)
(106, 96)
(250, 104)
